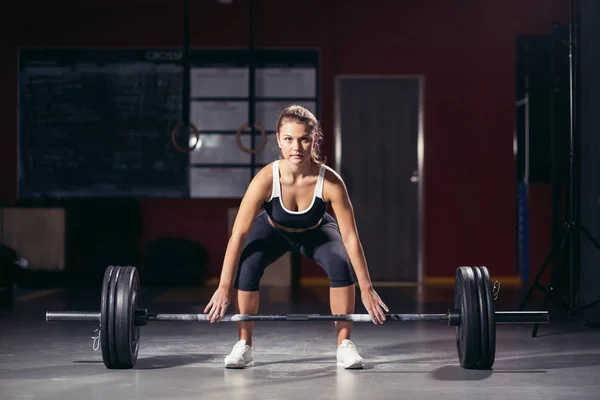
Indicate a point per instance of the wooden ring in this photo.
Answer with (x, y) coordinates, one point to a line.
(174, 135)
(238, 139)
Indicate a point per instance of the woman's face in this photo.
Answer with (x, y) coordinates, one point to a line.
(295, 143)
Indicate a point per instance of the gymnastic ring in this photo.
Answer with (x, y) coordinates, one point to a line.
(238, 139)
(174, 135)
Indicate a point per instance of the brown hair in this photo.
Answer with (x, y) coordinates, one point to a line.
(302, 115)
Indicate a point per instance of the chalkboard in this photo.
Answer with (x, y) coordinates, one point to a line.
(97, 123)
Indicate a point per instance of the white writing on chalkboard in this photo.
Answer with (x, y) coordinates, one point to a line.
(99, 128)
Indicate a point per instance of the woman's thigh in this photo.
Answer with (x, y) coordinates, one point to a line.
(324, 245)
(264, 246)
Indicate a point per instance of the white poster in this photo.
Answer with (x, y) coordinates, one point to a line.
(220, 149)
(286, 82)
(219, 182)
(219, 116)
(219, 82)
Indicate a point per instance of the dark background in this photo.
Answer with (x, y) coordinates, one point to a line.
(466, 51)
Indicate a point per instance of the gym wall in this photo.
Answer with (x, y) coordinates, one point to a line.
(465, 50)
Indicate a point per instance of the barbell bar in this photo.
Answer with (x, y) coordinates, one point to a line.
(452, 317)
(120, 317)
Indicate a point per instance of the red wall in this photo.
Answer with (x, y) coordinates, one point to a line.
(464, 49)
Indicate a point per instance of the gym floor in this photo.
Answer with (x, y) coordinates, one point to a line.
(294, 360)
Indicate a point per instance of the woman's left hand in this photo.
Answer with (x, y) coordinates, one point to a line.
(374, 305)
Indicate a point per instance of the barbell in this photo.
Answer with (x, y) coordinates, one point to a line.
(473, 315)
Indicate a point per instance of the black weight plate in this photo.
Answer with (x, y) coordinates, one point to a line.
(136, 303)
(106, 284)
(111, 316)
(483, 316)
(488, 362)
(127, 333)
(468, 339)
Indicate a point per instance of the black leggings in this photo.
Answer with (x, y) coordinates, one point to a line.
(266, 244)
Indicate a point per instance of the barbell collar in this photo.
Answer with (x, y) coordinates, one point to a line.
(453, 317)
(141, 317)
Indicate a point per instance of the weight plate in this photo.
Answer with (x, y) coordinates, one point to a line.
(483, 316)
(106, 284)
(468, 339)
(135, 302)
(126, 331)
(110, 318)
(488, 361)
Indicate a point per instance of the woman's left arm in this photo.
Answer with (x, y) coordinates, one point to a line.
(342, 207)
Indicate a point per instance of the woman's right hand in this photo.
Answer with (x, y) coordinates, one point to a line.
(218, 304)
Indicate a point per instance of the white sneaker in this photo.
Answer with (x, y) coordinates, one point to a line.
(347, 356)
(240, 356)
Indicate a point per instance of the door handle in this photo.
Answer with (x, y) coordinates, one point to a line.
(414, 177)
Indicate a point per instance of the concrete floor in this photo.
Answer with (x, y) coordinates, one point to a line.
(294, 360)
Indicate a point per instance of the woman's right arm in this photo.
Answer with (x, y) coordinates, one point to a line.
(258, 191)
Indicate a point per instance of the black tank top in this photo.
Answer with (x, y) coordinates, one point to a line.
(296, 219)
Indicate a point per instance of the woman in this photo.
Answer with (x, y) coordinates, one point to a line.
(294, 192)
